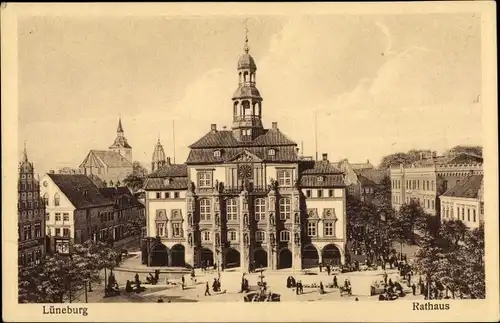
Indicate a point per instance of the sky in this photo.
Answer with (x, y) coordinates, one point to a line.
(375, 84)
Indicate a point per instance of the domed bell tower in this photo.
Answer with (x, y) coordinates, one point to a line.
(247, 102)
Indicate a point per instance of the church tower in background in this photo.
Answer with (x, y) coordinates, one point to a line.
(158, 159)
(121, 145)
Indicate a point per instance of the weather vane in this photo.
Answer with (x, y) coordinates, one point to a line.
(246, 48)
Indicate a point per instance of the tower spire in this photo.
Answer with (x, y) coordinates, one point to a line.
(120, 128)
(25, 153)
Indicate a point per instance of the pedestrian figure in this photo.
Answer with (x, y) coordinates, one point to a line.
(357, 300)
(320, 267)
(160, 300)
(385, 278)
(413, 288)
(335, 284)
(183, 281)
(207, 290)
(321, 288)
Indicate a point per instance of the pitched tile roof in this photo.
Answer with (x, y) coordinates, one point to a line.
(80, 190)
(225, 138)
(468, 187)
(170, 170)
(359, 166)
(207, 156)
(158, 183)
(364, 181)
(374, 175)
(320, 174)
(102, 158)
(328, 180)
(123, 194)
(319, 167)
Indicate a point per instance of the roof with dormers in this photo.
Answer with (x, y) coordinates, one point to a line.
(80, 190)
(170, 170)
(202, 151)
(168, 177)
(468, 187)
(225, 139)
(320, 174)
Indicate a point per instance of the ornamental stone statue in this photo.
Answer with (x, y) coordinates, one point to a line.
(190, 239)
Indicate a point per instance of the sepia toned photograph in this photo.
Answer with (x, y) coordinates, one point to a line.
(222, 157)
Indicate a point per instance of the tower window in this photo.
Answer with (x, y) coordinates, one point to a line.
(217, 153)
(271, 152)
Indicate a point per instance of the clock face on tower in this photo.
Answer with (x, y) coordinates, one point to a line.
(245, 172)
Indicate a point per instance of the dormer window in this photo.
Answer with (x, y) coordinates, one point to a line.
(271, 152)
(167, 181)
(217, 153)
(320, 179)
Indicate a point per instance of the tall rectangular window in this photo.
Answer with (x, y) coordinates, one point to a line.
(260, 209)
(311, 229)
(160, 229)
(320, 193)
(66, 232)
(328, 229)
(285, 208)
(176, 227)
(204, 179)
(284, 177)
(308, 193)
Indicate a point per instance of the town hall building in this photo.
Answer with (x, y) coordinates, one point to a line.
(245, 197)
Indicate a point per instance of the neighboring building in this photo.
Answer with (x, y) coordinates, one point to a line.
(158, 160)
(361, 178)
(463, 202)
(239, 198)
(75, 211)
(113, 165)
(369, 181)
(323, 188)
(30, 215)
(127, 209)
(428, 178)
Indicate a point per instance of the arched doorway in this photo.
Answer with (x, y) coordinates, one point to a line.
(159, 255)
(206, 257)
(310, 257)
(331, 255)
(232, 258)
(285, 259)
(178, 253)
(260, 258)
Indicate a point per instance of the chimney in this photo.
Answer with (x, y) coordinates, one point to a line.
(52, 171)
(168, 161)
(275, 126)
(367, 161)
(325, 157)
(213, 127)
